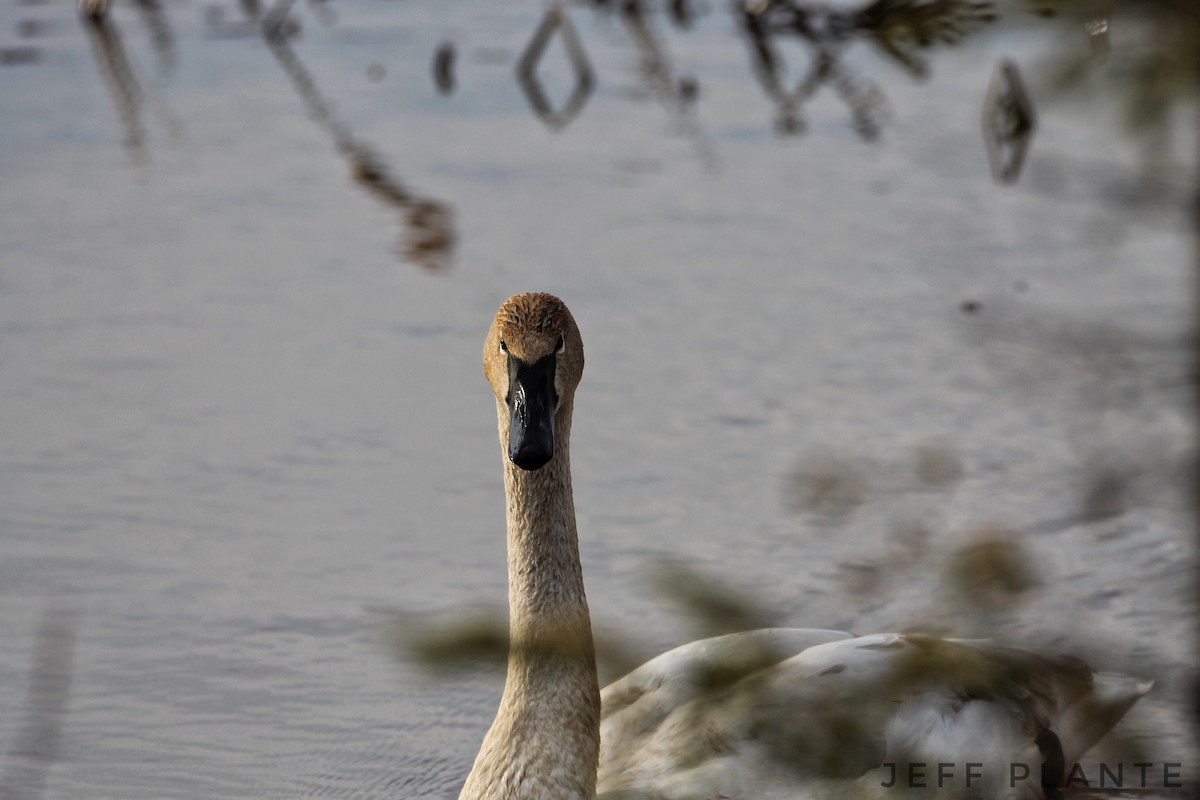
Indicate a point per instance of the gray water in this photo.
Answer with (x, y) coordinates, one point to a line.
(246, 437)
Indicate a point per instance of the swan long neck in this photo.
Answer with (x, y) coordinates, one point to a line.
(545, 578)
(545, 740)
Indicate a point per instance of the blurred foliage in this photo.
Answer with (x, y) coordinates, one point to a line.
(938, 465)
(993, 570)
(465, 639)
(862, 576)
(825, 485)
(908, 541)
(715, 607)
(832, 487)
(1154, 68)
(482, 638)
(1106, 494)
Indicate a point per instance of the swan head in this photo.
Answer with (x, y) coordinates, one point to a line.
(533, 359)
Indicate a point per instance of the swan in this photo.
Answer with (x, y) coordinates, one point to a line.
(776, 713)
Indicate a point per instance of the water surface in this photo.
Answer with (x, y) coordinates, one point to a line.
(243, 290)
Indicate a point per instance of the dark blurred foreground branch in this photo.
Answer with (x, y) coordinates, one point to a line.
(1155, 69)
(1154, 73)
(482, 639)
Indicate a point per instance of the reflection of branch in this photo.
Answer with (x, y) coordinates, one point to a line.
(161, 38)
(827, 33)
(443, 68)
(657, 75)
(766, 70)
(555, 21)
(128, 89)
(430, 237)
(112, 63)
(36, 746)
(897, 27)
(1009, 119)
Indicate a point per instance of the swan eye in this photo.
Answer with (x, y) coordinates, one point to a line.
(503, 347)
(562, 344)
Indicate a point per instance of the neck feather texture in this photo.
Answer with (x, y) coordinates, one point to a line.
(545, 740)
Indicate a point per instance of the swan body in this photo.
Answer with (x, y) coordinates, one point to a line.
(776, 713)
(794, 713)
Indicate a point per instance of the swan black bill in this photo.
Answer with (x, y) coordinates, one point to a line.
(531, 404)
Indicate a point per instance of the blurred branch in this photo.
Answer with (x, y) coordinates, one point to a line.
(482, 640)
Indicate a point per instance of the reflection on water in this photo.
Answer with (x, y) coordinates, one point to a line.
(129, 91)
(678, 95)
(36, 745)
(899, 28)
(554, 22)
(1008, 122)
(905, 31)
(162, 39)
(428, 224)
(827, 37)
(443, 68)
(24, 54)
(113, 65)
